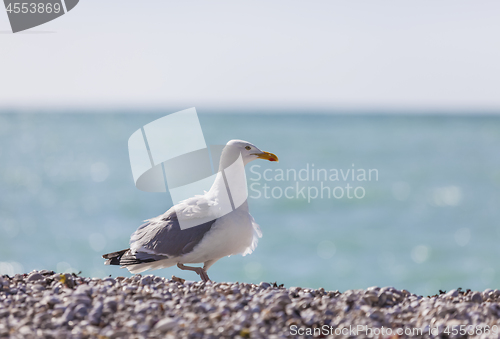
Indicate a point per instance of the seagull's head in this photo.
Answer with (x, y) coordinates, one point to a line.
(250, 152)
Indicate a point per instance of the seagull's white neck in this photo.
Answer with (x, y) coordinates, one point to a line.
(218, 186)
(230, 179)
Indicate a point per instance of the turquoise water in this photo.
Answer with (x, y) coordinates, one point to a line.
(430, 221)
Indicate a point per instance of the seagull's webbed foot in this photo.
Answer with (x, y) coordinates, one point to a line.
(198, 270)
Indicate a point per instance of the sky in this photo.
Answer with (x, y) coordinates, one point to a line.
(423, 55)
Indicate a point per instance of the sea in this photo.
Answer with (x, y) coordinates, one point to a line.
(356, 200)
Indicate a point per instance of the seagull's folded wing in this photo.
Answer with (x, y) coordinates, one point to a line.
(163, 235)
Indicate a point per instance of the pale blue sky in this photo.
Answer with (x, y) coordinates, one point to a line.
(368, 55)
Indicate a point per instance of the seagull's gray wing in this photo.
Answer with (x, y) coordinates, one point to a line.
(163, 236)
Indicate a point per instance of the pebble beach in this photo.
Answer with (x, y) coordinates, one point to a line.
(45, 304)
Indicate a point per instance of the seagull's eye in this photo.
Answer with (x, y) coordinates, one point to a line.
(248, 148)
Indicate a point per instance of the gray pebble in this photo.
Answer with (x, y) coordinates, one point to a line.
(476, 297)
(109, 279)
(80, 311)
(166, 324)
(265, 285)
(35, 277)
(147, 280)
(37, 288)
(83, 290)
(486, 293)
(95, 314)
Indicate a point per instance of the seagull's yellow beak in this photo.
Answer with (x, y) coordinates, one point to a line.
(267, 156)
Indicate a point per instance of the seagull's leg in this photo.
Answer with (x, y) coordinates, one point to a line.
(199, 270)
(205, 275)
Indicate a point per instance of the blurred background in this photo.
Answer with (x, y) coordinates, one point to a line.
(410, 89)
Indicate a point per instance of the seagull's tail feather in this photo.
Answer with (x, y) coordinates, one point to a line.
(114, 258)
(136, 262)
(127, 258)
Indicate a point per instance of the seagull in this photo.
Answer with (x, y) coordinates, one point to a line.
(160, 242)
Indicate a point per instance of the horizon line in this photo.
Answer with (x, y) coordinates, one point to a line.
(211, 110)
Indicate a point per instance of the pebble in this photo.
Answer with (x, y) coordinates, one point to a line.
(487, 292)
(147, 280)
(452, 294)
(166, 324)
(35, 277)
(43, 304)
(476, 297)
(265, 285)
(95, 314)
